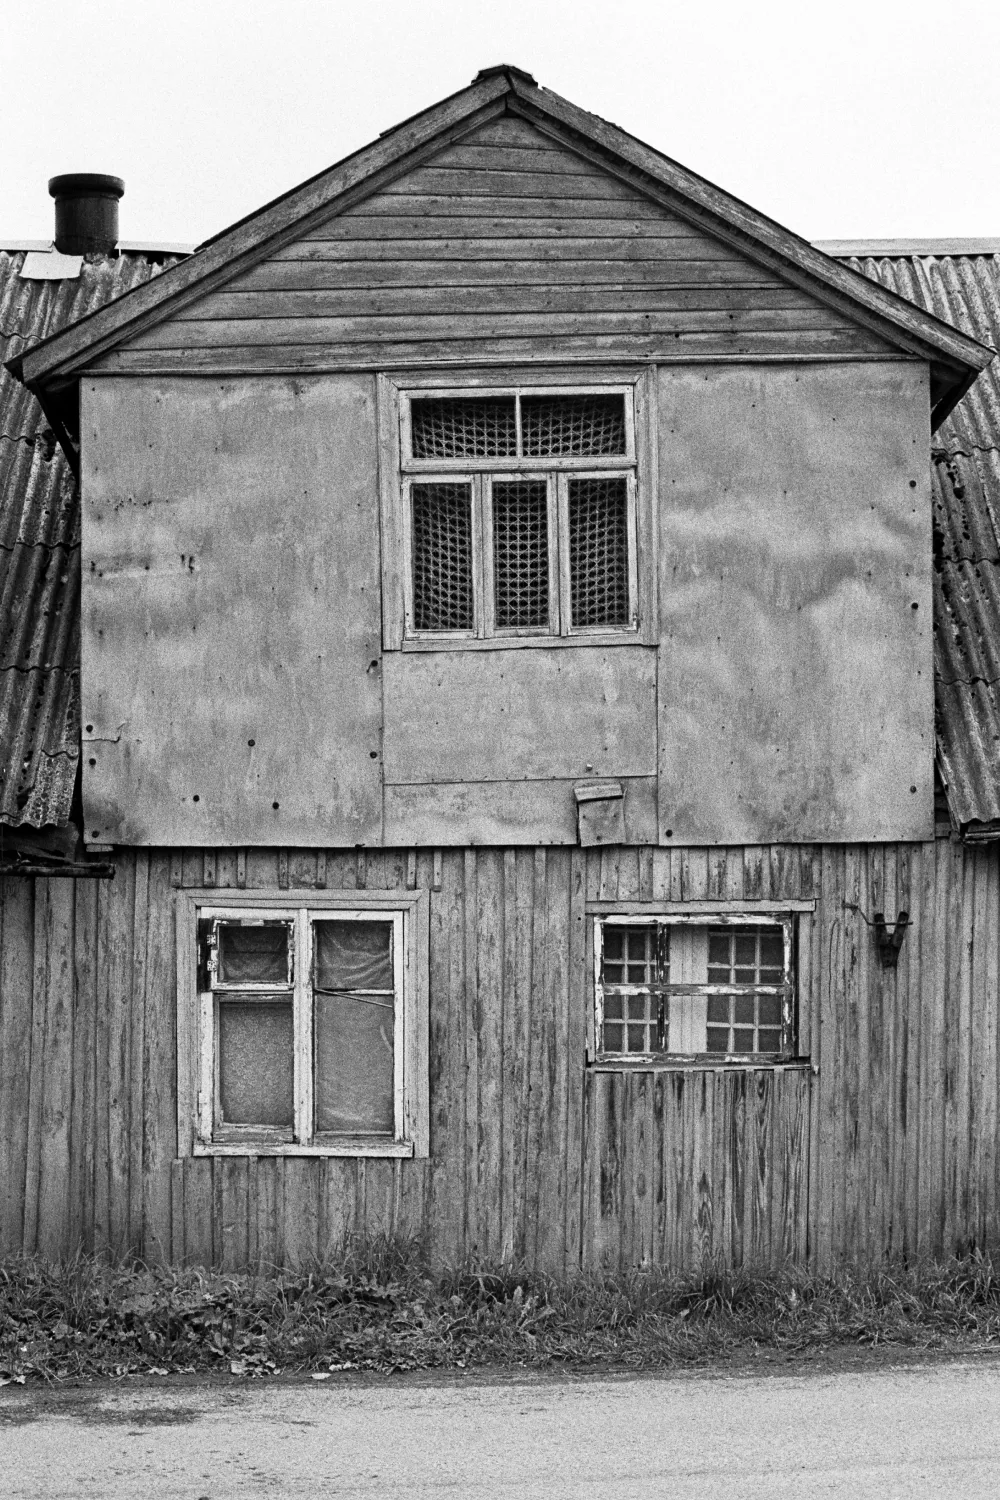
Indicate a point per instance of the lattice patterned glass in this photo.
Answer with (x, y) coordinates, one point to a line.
(463, 427)
(573, 426)
(633, 1021)
(598, 550)
(746, 1022)
(520, 553)
(442, 556)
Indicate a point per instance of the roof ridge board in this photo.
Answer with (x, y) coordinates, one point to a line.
(283, 220)
(757, 226)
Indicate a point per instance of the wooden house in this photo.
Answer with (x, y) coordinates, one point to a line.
(507, 735)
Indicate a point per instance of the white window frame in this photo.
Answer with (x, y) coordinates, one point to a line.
(398, 471)
(784, 918)
(200, 1132)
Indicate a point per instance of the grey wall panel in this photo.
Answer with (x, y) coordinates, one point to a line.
(506, 813)
(795, 684)
(231, 611)
(580, 711)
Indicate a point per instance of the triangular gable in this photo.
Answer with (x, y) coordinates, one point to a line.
(643, 180)
(505, 247)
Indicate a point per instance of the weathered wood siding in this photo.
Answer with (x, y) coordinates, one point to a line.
(507, 245)
(891, 1146)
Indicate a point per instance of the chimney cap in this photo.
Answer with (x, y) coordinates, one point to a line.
(74, 184)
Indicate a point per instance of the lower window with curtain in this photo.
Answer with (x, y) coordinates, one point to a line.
(306, 1021)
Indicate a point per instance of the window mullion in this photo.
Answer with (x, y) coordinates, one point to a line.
(565, 602)
(633, 568)
(552, 522)
(302, 1000)
(478, 573)
(486, 622)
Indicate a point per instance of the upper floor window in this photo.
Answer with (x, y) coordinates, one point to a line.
(519, 512)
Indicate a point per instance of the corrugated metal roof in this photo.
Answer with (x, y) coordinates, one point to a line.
(40, 547)
(962, 287)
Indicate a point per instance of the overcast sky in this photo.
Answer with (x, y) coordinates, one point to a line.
(839, 120)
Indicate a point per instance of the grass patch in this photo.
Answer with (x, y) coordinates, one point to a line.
(378, 1307)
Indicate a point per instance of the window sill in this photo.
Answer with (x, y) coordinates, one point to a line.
(519, 642)
(703, 1065)
(362, 1147)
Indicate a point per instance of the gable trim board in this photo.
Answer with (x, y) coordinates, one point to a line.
(955, 358)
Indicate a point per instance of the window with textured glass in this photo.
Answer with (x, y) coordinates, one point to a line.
(690, 987)
(530, 538)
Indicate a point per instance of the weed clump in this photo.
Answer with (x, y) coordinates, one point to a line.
(377, 1305)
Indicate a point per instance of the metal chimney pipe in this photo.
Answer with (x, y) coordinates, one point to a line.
(86, 212)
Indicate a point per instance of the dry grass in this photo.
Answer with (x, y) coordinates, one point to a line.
(376, 1306)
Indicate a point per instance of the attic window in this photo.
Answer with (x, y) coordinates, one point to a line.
(519, 513)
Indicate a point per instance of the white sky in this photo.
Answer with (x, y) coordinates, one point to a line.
(841, 120)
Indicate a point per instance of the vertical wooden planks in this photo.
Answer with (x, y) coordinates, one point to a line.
(537, 1054)
(487, 913)
(83, 1129)
(469, 1032)
(58, 997)
(524, 951)
(158, 999)
(577, 1010)
(511, 1042)
(17, 923)
(136, 1001)
(988, 943)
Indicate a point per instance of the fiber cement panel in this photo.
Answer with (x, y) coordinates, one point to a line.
(231, 611)
(795, 694)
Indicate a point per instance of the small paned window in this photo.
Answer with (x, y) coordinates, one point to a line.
(307, 1027)
(538, 535)
(692, 987)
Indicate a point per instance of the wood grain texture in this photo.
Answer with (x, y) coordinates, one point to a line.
(509, 194)
(889, 1147)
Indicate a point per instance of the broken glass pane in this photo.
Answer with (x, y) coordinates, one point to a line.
(354, 1063)
(253, 955)
(255, 1062)
(353, 955)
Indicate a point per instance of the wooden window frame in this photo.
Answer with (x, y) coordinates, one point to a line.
(198, 1132)
(783, 916)
(397, 472)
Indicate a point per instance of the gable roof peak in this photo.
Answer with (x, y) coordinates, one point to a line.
(508, 71)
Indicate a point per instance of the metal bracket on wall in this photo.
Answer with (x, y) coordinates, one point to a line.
(889, 940)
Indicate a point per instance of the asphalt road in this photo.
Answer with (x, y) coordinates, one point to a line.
(930, 1432)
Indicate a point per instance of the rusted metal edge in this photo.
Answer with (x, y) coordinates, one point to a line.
(77, 869)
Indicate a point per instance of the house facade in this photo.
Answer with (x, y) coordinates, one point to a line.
(507, 736)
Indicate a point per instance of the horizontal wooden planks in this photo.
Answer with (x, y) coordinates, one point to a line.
(410, 302)
(510, 196)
